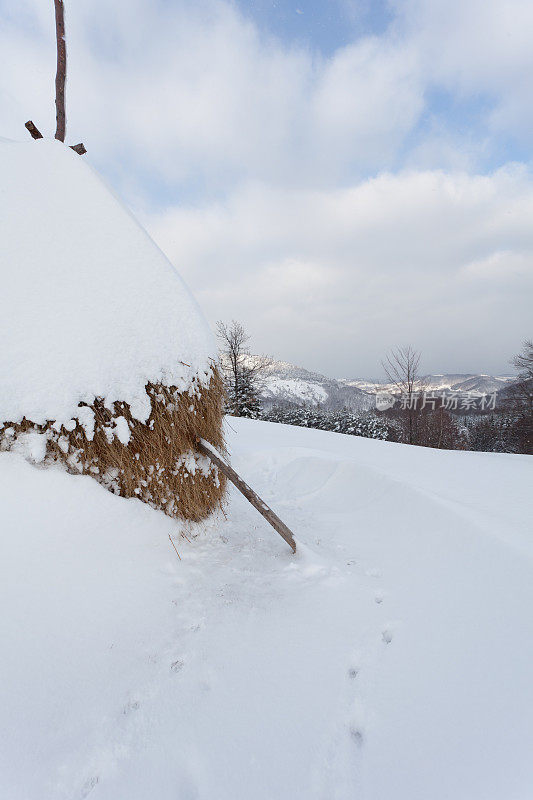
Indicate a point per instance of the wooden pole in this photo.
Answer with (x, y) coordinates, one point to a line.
(61, 78)
(61, 73)
(285, 533)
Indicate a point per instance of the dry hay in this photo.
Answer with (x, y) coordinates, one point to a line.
(159, 463)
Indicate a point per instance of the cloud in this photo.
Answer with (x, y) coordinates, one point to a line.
(192, 95)
(193, 91)
(473, 48)
(336, 205)
(334, 278)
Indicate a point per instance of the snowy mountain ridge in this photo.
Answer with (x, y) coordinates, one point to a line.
(287, 383)
(452, 382)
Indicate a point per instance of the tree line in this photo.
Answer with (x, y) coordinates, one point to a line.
(508, 427)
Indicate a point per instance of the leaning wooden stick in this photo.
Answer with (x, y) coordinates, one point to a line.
(285, 533)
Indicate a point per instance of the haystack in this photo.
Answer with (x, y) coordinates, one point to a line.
(107, 365)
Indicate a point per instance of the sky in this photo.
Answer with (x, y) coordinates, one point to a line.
(342, 177)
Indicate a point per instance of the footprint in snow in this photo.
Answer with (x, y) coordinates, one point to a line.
(387, 636)
(176, 666)
(357, 736)
(88, 786)
(373, 573)
(353, 672)
(379, 597)
(129, 707)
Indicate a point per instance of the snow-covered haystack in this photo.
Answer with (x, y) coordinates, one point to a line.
(106, 362)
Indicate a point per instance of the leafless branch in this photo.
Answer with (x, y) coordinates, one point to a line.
(244, 372)
(401, 367)
(524, 361)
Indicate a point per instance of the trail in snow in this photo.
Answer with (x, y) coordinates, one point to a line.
(389, 659)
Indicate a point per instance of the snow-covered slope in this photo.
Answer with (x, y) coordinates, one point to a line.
(294, 390)
(90, 305)
(390, 659)
(291, 384)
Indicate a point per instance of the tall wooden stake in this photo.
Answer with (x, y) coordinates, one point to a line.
(61, 73)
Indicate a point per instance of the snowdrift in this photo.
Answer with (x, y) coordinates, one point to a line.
(390, 659)
(107, 363)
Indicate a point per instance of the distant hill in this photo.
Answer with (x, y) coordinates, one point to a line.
(287, 383)
(452, 382)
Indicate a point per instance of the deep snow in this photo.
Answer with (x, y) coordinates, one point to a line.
(90, 306)
(390, 659)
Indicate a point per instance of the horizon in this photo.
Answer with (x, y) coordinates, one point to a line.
(382, 379)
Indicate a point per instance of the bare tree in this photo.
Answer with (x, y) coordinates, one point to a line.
(61, 72)
(436, 427)
(401, 367)
(244, 372)
(521, 397)
(524, 361)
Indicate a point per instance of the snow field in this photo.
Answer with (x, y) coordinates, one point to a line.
(390, 658)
